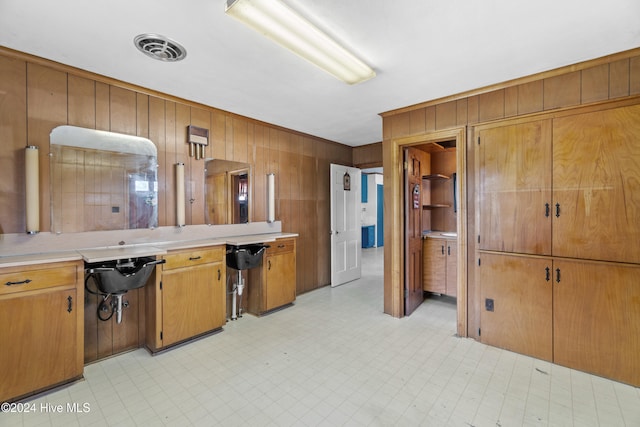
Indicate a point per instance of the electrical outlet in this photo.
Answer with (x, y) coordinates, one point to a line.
(488, 304)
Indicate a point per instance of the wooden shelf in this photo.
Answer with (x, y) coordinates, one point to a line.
(428, 207)
(436, 177)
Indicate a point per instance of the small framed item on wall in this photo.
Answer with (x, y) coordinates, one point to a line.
(346, 181)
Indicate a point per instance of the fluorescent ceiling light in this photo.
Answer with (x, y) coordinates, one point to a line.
(280, 23)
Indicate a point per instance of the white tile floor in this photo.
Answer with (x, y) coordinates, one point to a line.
(335, 359)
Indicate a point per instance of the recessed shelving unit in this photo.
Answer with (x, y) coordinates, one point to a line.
(435, 177)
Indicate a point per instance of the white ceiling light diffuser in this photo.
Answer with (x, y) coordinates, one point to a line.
(280, 23)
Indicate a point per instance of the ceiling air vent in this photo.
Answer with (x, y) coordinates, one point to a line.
(160, 47)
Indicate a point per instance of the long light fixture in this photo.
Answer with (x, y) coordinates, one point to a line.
(274, 19)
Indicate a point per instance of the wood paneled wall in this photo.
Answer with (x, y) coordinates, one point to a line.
(368, 156)
(613, 77)
(37, 95)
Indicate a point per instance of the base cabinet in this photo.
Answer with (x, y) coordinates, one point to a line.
(41, 318)
(273, 285)
(581, 314)
(516, 304)
(439, 264)
(596, 318)
(187, 297)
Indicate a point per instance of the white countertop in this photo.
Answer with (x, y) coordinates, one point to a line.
(450, 235)
(106, 253)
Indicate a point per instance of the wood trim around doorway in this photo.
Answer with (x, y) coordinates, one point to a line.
(394, 214)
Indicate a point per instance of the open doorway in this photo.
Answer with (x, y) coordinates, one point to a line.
(395, 210)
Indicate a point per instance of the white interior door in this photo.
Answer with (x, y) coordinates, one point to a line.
(346, 227)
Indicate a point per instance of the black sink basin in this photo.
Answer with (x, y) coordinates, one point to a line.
(122, 275)
(244, 257)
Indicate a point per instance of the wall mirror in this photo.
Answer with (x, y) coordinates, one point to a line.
(227, 192)
(102, 181)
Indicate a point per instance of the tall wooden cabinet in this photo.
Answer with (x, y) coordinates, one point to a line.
(187, 297)
(559, 238)
(273, 285)
(41, 320)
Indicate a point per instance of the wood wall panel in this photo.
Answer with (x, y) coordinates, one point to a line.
(595, 84)
(171, 158)
(240, 141)
(446, 115)
(82, 102)
(530, 97)
(619, 78)
(200, 118)
(634, 75)
(13, 140)
(183, 119)
(46, 109)
(401, 124)
(218, 135)
(123, 109)
(367, 156)
(417, 121)
(472, 110)
(259, 186)
(562, 91)
(461, 113)
(103, 107)
(157, 136)
(491, 105)
(510, 102)
(142, 115)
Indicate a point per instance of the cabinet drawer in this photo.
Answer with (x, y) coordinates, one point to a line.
(193, 257)
(31, 279)
(281, 246)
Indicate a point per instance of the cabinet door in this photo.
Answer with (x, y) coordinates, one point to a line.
(193, 301)
(38, 336)
(515, 188)
(597, 318)
(452, 268)
(516, 304)
(596, 184)
(434, 269)
(280, 280)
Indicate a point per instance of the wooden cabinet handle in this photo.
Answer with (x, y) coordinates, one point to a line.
(448, 250)
(69, 304)
(219, 274)
(23, 282)
(547, 210)
(557, 275)
(194, 258)
(280, 246)
(269, 264)
(442, 248)
(557, 210)
(548, 275)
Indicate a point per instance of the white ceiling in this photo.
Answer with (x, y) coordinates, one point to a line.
(420, 49)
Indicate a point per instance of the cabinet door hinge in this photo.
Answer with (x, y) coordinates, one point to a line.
(161, 285)
(160, 335)
(405, 165)
(478, 262)
(478, 238)
(478, 140)
(479, 334)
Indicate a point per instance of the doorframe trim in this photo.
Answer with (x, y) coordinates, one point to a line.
(394, 214)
